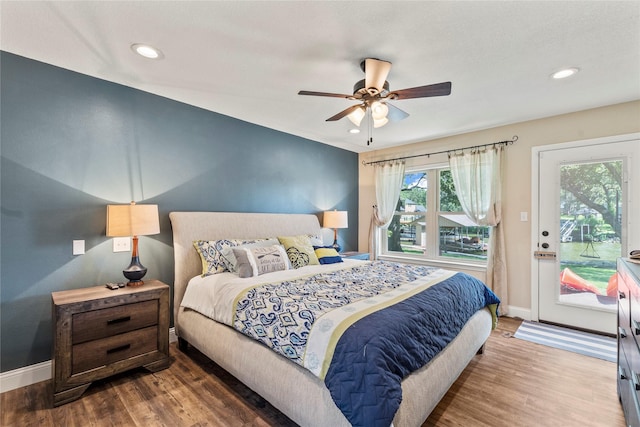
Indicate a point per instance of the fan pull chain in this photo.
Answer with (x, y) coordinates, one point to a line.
(369, 127)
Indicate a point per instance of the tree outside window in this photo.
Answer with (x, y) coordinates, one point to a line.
(417, 230)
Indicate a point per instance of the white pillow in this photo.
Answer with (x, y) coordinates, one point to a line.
(229, 259)
(254, 261)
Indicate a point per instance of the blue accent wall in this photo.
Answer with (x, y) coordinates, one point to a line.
(71, 144)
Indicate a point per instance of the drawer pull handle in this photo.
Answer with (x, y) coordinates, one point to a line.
(622, 374)
(621, 295)
(636, 327)
(118, 320)
(117, 349)
(622, 332)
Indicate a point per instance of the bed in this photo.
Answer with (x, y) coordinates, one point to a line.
(290, 387)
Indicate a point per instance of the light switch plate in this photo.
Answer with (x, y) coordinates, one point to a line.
(121, 244)
(78, 247)
(524, 217)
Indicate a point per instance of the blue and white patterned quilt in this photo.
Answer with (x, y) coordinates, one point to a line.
(362, 329)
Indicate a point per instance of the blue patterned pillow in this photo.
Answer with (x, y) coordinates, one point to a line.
(210, 252)
(229, 260)
(327, 254)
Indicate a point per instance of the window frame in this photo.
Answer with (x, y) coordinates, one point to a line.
(432, 229)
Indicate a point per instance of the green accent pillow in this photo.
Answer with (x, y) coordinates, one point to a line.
(299, 250)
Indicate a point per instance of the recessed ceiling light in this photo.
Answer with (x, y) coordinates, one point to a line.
(147, 51)
(564, 73)
(354, 130)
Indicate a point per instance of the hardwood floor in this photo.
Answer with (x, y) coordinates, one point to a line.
(514, 383)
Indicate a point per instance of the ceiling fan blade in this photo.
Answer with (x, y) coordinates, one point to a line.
(438, 89)
(333, 95)
(376, 72)
(344, 113)
(395, 114)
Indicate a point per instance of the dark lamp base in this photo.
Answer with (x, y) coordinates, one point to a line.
(336, 246)
(135, 272)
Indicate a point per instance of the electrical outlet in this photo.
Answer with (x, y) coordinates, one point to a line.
(121, 244)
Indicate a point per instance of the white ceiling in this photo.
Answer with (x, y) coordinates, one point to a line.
(249, 59)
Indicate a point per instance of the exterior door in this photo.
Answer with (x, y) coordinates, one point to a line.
(584, 196)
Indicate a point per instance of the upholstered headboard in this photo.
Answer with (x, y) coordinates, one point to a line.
(190, 226)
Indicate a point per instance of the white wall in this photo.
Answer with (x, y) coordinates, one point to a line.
(599, 122)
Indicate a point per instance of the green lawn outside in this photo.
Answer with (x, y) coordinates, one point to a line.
(597, 271)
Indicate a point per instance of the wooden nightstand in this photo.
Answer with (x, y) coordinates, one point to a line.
(355, 255)
(99, 332)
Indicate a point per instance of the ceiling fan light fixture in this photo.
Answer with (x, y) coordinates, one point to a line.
(356, 116)
(378, 123)
(354, 130)
(379, 110)
(147, 51)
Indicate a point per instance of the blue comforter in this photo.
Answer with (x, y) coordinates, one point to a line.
(362, 329)
(371, 359)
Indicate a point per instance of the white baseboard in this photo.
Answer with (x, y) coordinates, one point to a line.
(22, 377)
(32, 374)
(522, 313)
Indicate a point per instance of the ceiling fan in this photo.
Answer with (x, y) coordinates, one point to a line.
(373, 93)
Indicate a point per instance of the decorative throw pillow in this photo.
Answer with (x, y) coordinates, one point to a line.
(327, 254)
(229, 260)
(316, 240)
(254, 261)
(210, 252)
(299, 250)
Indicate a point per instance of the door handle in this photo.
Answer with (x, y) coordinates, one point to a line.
(544, 255)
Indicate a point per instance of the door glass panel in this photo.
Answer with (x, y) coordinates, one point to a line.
(590, 227)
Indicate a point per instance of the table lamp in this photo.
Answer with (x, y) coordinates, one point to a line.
(132, 221)
(335, 219)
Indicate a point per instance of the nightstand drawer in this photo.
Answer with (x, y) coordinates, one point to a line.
(107, 322)
(97, 353)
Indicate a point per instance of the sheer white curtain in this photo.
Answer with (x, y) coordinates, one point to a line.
(477, 177)
(388, 179)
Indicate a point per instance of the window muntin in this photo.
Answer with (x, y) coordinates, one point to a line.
(419, 232)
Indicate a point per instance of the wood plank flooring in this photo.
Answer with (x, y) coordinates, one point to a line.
(514, 383)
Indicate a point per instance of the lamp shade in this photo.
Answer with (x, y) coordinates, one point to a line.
(132, 220)
(335, 219)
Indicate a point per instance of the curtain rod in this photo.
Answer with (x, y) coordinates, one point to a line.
(505, 143)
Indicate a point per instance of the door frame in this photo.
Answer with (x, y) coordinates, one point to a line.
(535, 178)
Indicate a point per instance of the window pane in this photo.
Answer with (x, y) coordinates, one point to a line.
(448, 199)
(413, 195)
(460, 237)
(407, 234)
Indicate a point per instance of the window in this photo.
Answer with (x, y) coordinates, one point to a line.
(429, 222)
